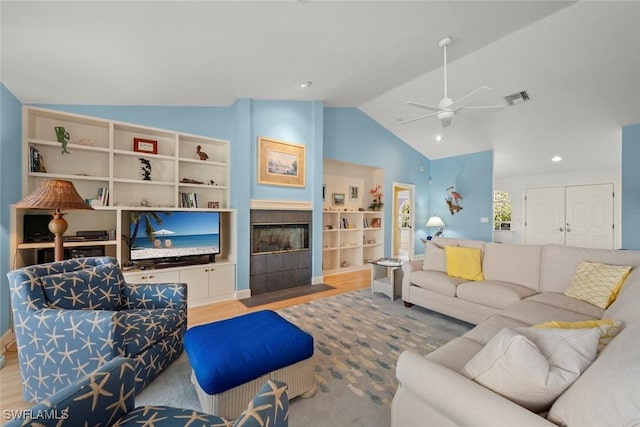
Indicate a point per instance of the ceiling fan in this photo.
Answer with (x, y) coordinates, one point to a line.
(447, 107)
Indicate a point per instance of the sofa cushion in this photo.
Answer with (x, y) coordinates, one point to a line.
(568, 304)
(621, 309)
(436, 281)
(493, 293)
(464, 262)
(94, 288)
(597, 283)
(607, 393)
(456, 353)
(435, 258)
(559, 263)
(519, 264)
(532, 367)
(486, 330)
(608, 328)
(533, 312)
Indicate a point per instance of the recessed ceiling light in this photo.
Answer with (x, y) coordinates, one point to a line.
(556, 159)
(438, 138)
(305, 84)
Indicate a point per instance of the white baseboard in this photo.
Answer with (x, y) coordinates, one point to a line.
(6, 339)
(318, 280)
(244, 293)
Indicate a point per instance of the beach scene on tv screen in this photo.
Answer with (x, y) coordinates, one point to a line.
(175, 234)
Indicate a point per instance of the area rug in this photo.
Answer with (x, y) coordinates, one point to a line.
(284, 294)
(358, 338)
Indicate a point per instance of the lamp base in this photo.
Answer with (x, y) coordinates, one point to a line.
(58, 225)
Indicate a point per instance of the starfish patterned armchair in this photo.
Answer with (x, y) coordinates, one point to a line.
(71, 317)
(106, 397)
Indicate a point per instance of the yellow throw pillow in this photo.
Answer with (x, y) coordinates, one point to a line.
(608, 328)
(464, 262)
(597, 283)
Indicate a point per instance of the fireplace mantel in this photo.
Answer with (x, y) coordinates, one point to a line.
(298, 205)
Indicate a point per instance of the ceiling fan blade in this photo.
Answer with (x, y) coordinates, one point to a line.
(404, 122)
(470, 94)
(481, 106)
(426, 107)
(445, 123)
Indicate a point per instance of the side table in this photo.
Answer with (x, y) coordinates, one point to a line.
(386, 277)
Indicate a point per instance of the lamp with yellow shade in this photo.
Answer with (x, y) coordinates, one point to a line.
(55, 195)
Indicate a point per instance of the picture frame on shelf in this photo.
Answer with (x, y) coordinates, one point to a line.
(142, 145)
(354, 192)
(338, 199)
(281, 163)
(376, 222)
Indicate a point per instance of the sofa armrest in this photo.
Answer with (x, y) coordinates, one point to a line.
(155, 295)
(407, 269)
(99, 398)
(454, 396)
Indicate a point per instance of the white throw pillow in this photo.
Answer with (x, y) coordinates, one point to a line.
(532, 367)
(435, 258)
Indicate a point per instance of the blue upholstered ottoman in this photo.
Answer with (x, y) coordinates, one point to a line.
(231, 359)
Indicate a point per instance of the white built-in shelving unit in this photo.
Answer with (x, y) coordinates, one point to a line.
(102, 156)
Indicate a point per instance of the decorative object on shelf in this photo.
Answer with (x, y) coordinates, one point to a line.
(202, 154)
(344, 264)
(435, 221)
(213, 205)
(376, 194)
(212, 182)
(63, 138)
(55, 194)
(142, 145)
(145, 169)
(281, 163)
(190, 181)
(144, 202)
(85, 141)
(36, 162)
(452, 200)
(338, 199)
(376, 222)
(354, 192)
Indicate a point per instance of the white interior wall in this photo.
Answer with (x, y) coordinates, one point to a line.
(516, 186)
(338, 176)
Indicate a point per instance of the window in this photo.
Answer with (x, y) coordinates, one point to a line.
(501, 210)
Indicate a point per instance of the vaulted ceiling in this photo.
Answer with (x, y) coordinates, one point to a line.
(577, 61)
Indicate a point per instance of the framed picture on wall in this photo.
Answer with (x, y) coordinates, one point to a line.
(324, 191)
(280, 163)
(354, 192)
(338, 199)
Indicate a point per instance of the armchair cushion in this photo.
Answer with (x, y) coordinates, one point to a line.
(145, 327)
(95, 288)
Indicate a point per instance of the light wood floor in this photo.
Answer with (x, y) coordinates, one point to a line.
(11, 385)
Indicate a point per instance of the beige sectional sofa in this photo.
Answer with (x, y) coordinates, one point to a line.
(524, 285)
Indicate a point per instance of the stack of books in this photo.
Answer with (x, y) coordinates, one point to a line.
(188, 200)
(103, 196)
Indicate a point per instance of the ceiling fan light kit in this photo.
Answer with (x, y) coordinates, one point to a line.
(447, 108)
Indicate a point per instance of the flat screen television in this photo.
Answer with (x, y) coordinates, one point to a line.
(173, 236)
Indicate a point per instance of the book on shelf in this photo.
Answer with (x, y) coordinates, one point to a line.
(34, 159)
(103, 196)
(188, 200)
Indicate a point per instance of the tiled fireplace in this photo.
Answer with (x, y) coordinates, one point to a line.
(280, 249)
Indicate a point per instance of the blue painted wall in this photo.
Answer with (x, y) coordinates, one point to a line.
(472, 176)
(352, 136)
(10, 188)
(631, 187)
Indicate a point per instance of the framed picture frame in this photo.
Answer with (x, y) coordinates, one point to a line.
(376, 222)
(281, 163)
(354, 192)
(338, 199)
(142, 145)
(324, 191)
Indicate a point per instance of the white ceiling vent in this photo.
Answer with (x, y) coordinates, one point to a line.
(517, 98)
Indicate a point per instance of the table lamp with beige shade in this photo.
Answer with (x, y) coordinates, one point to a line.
(433, 222)
(55, 195)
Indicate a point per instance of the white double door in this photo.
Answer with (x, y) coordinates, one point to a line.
(580, 215)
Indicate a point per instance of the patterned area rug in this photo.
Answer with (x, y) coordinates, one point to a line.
(358, 338)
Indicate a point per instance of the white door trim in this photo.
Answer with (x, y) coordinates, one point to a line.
(394, 219)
